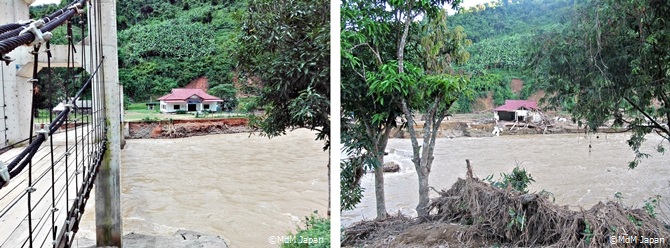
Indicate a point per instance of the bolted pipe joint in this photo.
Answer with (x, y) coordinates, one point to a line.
(77, 8)
(42, 130)
(34, 28)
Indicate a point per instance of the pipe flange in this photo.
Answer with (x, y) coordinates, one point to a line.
(6, 59)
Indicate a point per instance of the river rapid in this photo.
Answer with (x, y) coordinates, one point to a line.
(562, 164)
(244, 189)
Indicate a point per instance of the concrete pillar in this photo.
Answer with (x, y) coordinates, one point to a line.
(107, 187)
(17, 92)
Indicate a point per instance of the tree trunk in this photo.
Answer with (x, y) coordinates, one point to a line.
(379, 171)
(422, 208)
(423, 155)
(380, 142)
(379, 188)
(416, 159)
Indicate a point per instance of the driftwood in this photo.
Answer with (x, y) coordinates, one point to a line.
(504, 216)
(488, 216)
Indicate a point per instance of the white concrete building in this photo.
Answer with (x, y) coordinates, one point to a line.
(190, 100)
(514, 110)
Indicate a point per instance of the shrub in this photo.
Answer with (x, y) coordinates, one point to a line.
(519, 180)
(317, 229)
(150, 119)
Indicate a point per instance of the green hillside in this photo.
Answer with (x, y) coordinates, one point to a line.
(502, 32)
(166, 44)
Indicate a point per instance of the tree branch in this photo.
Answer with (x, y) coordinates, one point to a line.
(403, 38)
(412, 134)
(379, 58)
(656, 125)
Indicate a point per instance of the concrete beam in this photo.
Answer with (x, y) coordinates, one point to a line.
(59, 59)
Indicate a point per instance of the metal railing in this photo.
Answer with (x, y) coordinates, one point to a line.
(47, 178)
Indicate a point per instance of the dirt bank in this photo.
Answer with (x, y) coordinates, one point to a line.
(484, 128)
(184, 128)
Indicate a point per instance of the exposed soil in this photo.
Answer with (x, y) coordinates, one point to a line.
(481, 125)
(484, 104)
(536, 96)
(516, 85)
(198, 83)
(185, 128)
(472, 213)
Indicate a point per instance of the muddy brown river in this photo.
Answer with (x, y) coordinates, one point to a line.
(562, 164)
(244, 189)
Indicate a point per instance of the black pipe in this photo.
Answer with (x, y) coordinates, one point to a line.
(9, 27)
(9, 44)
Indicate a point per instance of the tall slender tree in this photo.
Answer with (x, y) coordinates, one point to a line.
(431, 89)
(383, 33)
(366, 122)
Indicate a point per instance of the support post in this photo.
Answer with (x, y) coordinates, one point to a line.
(16, 96)
(107, 187)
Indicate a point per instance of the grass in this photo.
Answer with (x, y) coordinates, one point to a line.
(315, 234)
(139, 111)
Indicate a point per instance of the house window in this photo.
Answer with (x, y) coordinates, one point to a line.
(205, 106)
(162, 106)
(176, 107)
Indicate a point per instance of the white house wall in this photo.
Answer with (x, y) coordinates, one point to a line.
(169, 107)
(213, 106)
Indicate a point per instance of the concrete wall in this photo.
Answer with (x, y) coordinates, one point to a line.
(17, 91)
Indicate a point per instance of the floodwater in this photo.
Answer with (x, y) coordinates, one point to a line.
(244, 189)
(562, 164)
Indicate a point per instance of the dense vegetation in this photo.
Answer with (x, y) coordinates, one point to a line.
(501, 32)
(611, 62)
(167, 44)
(394, 67)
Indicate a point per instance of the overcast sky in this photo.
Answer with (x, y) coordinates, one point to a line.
(470, 3)
(40, 2)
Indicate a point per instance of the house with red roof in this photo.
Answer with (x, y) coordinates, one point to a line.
(191, 100)
(514, 110)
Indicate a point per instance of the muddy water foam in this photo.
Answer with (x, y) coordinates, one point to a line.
(243, 188)
(562, 164)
